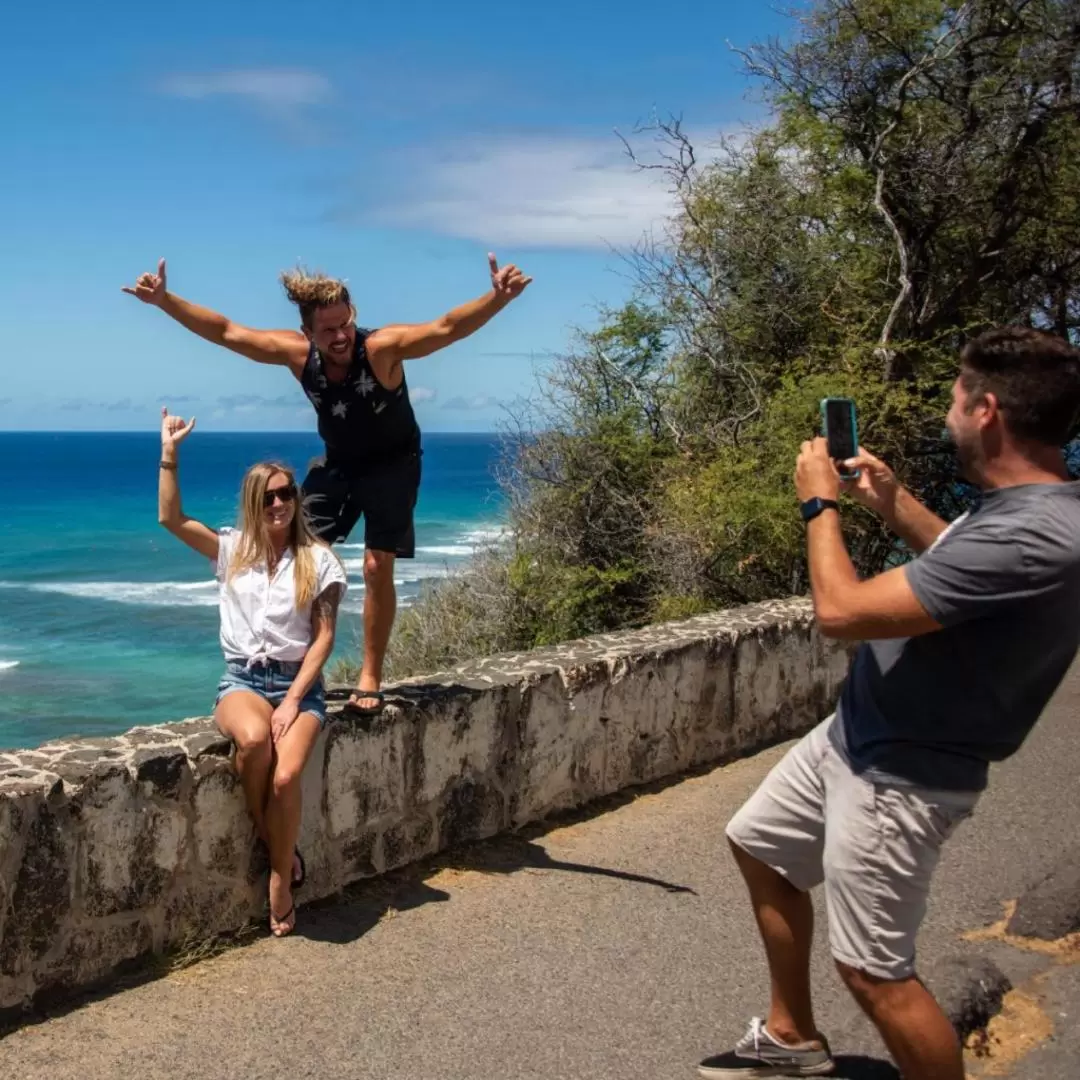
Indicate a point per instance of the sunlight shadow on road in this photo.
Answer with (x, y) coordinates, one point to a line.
(508, 854)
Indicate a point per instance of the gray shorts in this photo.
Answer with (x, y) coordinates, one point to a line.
(874, 845)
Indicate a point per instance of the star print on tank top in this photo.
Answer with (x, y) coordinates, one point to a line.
(360, 420)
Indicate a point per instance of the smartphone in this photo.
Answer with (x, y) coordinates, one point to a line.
(841, 431)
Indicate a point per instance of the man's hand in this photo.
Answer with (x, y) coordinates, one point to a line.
(509, 282)
(174, 429)
(815, 473)
(876, 486)
(283, 718)
(149, 288)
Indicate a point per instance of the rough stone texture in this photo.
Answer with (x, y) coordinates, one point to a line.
(113, 848)
(969, 988)
(1050, 909)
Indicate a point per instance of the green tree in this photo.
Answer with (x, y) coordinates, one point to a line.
(919, 182)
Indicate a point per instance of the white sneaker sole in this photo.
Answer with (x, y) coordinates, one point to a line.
(826, 1068)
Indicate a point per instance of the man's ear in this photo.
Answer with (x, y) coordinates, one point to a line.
(990, 410)
(305, 331)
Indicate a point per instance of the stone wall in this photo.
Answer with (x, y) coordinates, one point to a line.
(111, 849)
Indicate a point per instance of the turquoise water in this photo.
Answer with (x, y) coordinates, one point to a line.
(106, 621)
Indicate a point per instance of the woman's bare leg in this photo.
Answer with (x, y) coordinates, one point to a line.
(283, 813)
(244, 717)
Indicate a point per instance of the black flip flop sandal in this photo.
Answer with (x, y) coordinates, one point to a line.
(284, 919)
(298, 882)
(351, 709)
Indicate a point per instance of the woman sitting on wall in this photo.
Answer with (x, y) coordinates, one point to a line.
(279, 593)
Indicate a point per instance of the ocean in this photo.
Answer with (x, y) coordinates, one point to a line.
(107, 621)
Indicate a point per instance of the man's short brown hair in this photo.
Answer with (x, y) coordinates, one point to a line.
(1035, 377)
(311, 291)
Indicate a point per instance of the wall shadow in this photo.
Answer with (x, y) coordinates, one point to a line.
(339, 920)
(512, 852)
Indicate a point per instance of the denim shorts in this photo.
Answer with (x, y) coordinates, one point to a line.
(271, 679)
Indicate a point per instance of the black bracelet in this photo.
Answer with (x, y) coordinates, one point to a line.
(168, 465)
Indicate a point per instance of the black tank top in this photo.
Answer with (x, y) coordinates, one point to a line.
(361, 422)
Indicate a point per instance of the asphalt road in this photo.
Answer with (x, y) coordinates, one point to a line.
(620, 946)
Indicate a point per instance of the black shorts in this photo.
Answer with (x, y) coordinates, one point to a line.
(335, 496)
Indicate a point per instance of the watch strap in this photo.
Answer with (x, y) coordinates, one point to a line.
(812, 508)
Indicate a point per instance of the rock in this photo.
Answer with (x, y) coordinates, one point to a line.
(1050, 909)
(357, 854)
(89, 956)
(365, 774)
(969, 988)
(408, 842)
(222, 828)
(472, 811)
(208, 744)
(165, 769)
(42, 896)
(79, 773)
(131, 848)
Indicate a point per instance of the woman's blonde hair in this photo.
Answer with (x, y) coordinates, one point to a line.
(254, 548)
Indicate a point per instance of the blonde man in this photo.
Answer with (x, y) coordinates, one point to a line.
(355, 379)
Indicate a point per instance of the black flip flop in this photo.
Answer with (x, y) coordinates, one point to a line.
(284, 919)
(350, 709)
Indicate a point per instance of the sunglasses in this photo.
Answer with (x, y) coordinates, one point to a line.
(286, 494)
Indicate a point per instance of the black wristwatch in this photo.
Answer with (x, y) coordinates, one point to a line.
(812, 507)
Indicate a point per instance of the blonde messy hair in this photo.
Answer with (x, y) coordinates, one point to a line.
(255, 549)
(312, 290)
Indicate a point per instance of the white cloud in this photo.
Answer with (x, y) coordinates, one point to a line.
(479, 401)
(556, 191)
(421, 393)
(268, 87)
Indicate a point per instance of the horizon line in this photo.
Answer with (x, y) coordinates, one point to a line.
(231, 431)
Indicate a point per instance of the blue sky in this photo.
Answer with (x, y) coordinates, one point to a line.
(392, 145)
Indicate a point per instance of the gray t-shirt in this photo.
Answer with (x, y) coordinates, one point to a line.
(1004, 582)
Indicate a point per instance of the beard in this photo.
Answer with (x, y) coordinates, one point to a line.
(967, 459)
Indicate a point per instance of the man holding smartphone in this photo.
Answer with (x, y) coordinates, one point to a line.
(963, 647)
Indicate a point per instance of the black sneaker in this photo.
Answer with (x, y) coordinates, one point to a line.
(757, 1053)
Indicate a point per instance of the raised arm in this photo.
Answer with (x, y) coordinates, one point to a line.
(878, 489)
(288, 348)
(171, 514)
(388, 346)
(845, 607)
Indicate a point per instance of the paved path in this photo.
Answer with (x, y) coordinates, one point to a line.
(617, 947)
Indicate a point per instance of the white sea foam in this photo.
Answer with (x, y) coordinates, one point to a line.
(485, 534)
(463, 545)
(406, 571)
(413, 571)
(140, 593)
(7, 665)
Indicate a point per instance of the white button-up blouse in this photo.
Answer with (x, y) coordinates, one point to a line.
(259, 616)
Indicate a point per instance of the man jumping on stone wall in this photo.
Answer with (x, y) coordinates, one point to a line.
(355, 380)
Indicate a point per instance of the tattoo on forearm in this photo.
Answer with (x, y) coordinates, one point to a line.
(324, 608)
